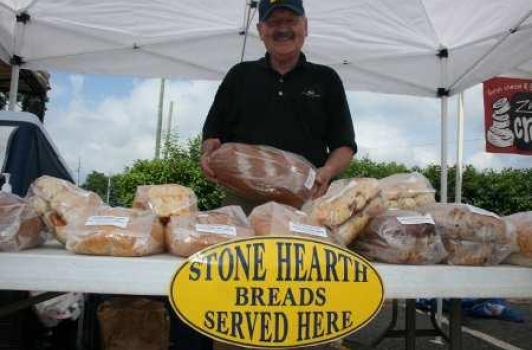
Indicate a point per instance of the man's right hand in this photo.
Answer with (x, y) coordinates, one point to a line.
(208, 146)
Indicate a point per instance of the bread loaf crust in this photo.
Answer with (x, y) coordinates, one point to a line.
(264, 173)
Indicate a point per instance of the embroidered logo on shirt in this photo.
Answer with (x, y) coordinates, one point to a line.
(310, 93)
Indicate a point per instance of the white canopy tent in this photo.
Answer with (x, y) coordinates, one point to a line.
(417, 47)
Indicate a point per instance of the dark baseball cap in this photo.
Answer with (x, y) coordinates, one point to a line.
(267, 6)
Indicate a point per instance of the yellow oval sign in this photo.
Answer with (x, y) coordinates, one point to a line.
(276, 292)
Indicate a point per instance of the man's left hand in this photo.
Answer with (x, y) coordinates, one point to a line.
(323, 177)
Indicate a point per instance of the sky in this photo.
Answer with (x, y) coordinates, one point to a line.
(105, 123)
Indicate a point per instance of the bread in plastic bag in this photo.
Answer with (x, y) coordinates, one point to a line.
(343, 199)
(471, 235)
(264, 173)
(349, 230)
(401, 237)
(166, 200)
(275, 219)
(116, 232)
(523, 224)
(407, 191)
(60, 202)
(189, 233)
(20, 225)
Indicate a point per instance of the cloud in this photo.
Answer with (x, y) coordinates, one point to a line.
(110, 134)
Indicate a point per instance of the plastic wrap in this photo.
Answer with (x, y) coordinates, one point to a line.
(523, 224)
(51, 312)
(116, 232)
(349, 230)
(407, 191)
(471, 235)
(282, 220)
(401, 237)
(264, 173)
(166, 200)
(20, 225)
(60, 202)
(189, 233)
(343, 199)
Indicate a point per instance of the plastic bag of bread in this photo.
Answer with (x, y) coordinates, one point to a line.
(401, 237)
(116, 232)
(264, 173)
(471, 235)
(343, 198)
(189, 233)
(60, 202)
(407, 191)
(166, 200)
(523, 224)
(349, 230)
(275, 219)
(20, 225)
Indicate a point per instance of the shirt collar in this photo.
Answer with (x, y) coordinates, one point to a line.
(265, 61)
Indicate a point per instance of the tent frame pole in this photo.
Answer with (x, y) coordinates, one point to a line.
(459, 149)
(13, 87)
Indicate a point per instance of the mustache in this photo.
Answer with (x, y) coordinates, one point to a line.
(284, 34)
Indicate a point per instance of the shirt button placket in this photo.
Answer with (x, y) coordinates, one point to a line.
(280, 92)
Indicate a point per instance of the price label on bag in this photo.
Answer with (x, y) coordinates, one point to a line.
(276, 292)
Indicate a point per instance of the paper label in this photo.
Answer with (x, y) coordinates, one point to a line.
(309, 183)
(224, 230)
(481, 211)
(308, 229)
(416, 220)
(118, 221)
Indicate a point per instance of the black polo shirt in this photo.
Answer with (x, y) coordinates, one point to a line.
(304, 111)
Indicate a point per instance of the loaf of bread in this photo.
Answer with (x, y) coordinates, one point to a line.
(20, 225)
(60, 202)
(166, 200)
(523, 225)
(349, 230)
(407, 191)
(275, 219)
(264, 173)
(343, 199)
(471, 235)
(116, 232)
(189, 233)
(401, 237)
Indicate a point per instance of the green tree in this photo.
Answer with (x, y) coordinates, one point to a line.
(99, 182)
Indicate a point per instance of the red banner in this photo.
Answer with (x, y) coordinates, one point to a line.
(508, 115)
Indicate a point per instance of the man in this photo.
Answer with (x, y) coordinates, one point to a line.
(283, 101)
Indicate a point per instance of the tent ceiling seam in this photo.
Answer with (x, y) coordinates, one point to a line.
(491, 37)
(490, 51)
(2, 5)
(430, 22)
(120, 45)
(388, 77)
(31, 4)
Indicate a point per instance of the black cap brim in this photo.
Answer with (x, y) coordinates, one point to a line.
(292, 8)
